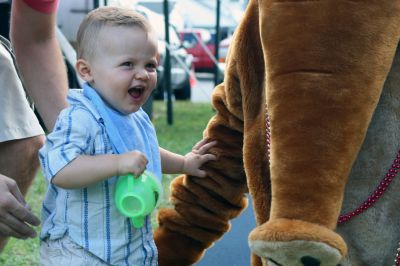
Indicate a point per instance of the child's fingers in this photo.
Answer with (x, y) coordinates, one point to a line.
(138, 172)
(144, 161)
(142, 158)
(203, 149)
(200, 173)
(199, 144)
(207, 157)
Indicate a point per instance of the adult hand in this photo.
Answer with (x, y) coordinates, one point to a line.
(15, 215)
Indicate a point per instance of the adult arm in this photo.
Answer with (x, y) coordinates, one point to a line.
(39, 59)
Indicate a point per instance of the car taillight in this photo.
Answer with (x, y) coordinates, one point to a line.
(192, 79)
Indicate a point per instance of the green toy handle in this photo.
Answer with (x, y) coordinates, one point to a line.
(137, 222)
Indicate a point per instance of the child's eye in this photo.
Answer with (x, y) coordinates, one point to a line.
(127, 64)
(151, 67)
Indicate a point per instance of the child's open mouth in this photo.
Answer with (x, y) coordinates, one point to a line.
(136, 92)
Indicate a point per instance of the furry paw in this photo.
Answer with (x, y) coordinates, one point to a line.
(288, 242)
(296, 253)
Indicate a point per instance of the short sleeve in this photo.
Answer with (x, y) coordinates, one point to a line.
(43, 6)
(74, 135)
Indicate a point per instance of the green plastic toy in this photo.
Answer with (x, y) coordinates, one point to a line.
(137, 197)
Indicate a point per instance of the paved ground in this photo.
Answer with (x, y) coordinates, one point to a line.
(232, 249)
(202, 90)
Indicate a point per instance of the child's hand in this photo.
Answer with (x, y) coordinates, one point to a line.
(197, 157)
(133, 162)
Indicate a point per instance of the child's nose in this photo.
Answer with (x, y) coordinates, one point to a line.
(141, 74)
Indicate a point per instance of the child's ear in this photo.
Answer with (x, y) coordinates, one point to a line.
(83, 69)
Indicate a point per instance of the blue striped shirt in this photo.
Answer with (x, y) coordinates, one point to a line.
(88, 215)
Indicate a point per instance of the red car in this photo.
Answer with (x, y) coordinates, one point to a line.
(201, 44)
(223, 48)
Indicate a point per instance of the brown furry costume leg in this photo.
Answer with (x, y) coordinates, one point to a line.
(327, 62)
(324, 64)
(203, 207)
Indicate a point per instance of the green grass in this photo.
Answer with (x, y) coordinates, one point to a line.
(189, 121)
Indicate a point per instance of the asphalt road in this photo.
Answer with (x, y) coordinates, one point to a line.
(202, 90)
(232, 249)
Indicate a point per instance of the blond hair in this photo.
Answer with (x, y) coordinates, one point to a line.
(105, 16)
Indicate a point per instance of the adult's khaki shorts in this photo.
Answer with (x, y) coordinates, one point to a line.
(17, 119)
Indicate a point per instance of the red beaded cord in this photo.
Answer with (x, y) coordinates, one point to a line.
(377, 194)
(371, 200)
(397, 260)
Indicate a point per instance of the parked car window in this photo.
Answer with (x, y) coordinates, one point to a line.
(189, 40)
